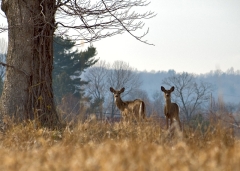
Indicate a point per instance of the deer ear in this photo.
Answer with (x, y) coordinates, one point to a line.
(122, 90)
(172, 89)
(162, 88)
(111, 89)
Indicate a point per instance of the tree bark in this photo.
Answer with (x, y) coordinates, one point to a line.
(27, 92)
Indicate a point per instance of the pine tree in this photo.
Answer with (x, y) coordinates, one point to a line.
(68, 66)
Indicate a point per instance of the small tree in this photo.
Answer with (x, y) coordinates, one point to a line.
(189, 94)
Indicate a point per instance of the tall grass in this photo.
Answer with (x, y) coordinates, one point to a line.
(106, 146)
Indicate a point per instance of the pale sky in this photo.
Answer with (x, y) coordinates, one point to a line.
(189, 35)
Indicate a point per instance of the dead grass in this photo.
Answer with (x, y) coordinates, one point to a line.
(105, 146)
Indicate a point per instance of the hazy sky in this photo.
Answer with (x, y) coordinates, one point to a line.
(189, 35)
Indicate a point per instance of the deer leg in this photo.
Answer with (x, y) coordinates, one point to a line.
(171, 121)
(180, 125)
(139, 117)
(167, 122)
(124, 117)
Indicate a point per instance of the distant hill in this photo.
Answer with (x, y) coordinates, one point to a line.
(226, 84)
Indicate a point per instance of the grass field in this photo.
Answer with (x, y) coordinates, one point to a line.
(105, 146)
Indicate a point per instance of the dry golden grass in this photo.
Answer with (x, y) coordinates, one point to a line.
(104, 146)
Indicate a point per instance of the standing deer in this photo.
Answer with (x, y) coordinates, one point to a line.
(129, 109)
(171, 110)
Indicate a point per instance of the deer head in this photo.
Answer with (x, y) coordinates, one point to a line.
(117, 93)
(167, 93)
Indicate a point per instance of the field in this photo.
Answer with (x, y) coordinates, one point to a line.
(106, 146)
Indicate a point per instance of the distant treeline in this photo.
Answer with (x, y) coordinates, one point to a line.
(226, 84)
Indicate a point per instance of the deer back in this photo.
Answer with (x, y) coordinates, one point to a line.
(136, 108)
(131, 109)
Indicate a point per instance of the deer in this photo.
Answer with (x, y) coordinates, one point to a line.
(129, 109)
(171, 110)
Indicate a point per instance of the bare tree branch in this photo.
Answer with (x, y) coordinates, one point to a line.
(121, 23)
(93, 21)
(89, 21)
(189, 94)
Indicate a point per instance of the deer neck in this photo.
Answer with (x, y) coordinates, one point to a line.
(120, 104)
(168, 105)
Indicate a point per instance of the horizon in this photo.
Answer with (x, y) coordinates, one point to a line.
(230, 70)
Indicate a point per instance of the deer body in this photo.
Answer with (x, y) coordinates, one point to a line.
(171, 110)
(129, 109)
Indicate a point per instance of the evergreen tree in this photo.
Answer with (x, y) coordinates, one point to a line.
(68, 66)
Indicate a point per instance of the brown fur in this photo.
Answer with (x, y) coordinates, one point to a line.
(171, 110)
(129, 109)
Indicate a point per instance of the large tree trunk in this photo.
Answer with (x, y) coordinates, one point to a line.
(27, 92)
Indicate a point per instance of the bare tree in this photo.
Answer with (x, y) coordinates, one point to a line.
(122, 75)
(27, 92)
(96, 78)
(97, 87)
(103, 75)
(157, 103)
(189, 93)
